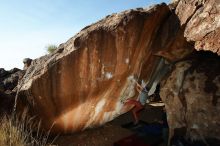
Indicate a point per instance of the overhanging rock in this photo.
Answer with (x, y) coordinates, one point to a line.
(83, 84)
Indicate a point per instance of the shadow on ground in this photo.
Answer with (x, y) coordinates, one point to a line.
(110, 132)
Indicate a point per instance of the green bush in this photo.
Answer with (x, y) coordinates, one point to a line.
(51, 48)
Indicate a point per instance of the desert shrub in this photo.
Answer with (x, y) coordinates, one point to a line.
(13, 132)
(51, 48)
(11, 135)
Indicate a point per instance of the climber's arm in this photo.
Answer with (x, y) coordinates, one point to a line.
(138, 89)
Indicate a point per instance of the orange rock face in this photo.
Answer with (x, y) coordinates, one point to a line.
(84, 83)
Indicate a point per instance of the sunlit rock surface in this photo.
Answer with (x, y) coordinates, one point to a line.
(8, 82)
(84, 83)
(202, 20)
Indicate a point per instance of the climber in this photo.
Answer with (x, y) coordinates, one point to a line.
(139, 103)
(161, 69)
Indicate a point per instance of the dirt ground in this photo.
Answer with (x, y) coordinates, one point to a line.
(110, 132)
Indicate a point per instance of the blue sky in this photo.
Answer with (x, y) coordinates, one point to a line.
(26, 26)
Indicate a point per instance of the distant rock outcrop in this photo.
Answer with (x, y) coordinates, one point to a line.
(8, 83)
(9, 79)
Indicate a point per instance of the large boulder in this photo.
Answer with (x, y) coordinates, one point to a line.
(192, 98)
(202, 21)
(86, 80)
(191, 92)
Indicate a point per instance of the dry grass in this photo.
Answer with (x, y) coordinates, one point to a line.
(19, 133)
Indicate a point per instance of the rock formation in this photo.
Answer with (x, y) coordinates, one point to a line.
(8, 83)
(191, 92)
(95, 69)
(202, 20)
(86, 80)
(27, 63)
(191, 95)
(9, 79)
